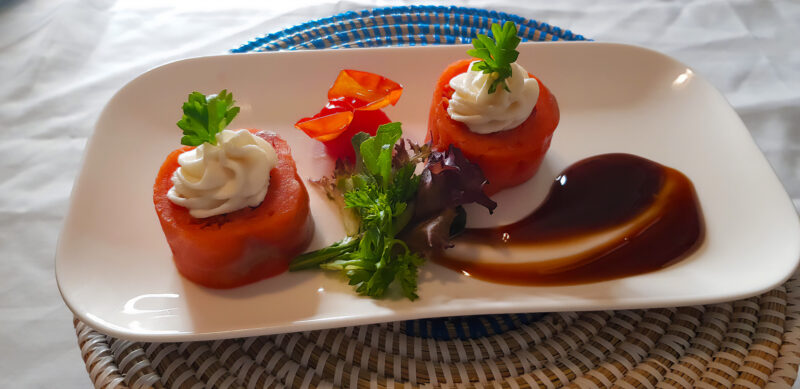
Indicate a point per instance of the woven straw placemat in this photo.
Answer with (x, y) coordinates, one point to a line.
(751, 343)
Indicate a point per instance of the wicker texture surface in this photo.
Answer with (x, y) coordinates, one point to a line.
(395, 26)
(751, 343)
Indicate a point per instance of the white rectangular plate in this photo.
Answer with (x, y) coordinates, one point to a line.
(115, 270)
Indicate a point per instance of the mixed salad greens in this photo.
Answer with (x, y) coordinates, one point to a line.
(396, 216)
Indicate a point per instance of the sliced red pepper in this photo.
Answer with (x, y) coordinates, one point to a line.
(325, 128)
(352, 95)
(375, 90)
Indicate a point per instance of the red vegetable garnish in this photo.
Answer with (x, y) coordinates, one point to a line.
(326, 127)
(354, 103)
(374, 90)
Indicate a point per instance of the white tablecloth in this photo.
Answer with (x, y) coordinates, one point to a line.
(60, 61)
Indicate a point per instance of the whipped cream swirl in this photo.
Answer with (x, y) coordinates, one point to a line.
(485, 113)
(222, 178)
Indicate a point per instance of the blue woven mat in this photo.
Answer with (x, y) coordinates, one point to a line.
(401, 26)
(411, 26)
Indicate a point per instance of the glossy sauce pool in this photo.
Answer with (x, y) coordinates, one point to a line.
(628, 215)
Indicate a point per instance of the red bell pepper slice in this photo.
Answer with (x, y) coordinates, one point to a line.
(363, 91)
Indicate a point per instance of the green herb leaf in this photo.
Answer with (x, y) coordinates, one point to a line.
(378, 189)
(376, 152)
(497, 55)
(314, 259)
(205, 116)
(406, 273)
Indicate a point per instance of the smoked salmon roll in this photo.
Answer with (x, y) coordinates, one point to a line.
(500, 116)
(243, 246)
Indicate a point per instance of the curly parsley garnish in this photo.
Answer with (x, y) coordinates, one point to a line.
(379, 193)
(497, 54)
(205, 116)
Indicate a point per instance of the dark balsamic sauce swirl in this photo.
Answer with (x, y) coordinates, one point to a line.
(654, 208)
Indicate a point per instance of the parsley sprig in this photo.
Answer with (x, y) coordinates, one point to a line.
(380, 193)
(497, 54)
(205, 116)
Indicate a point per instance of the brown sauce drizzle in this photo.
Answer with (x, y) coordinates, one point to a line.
(651, 211)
